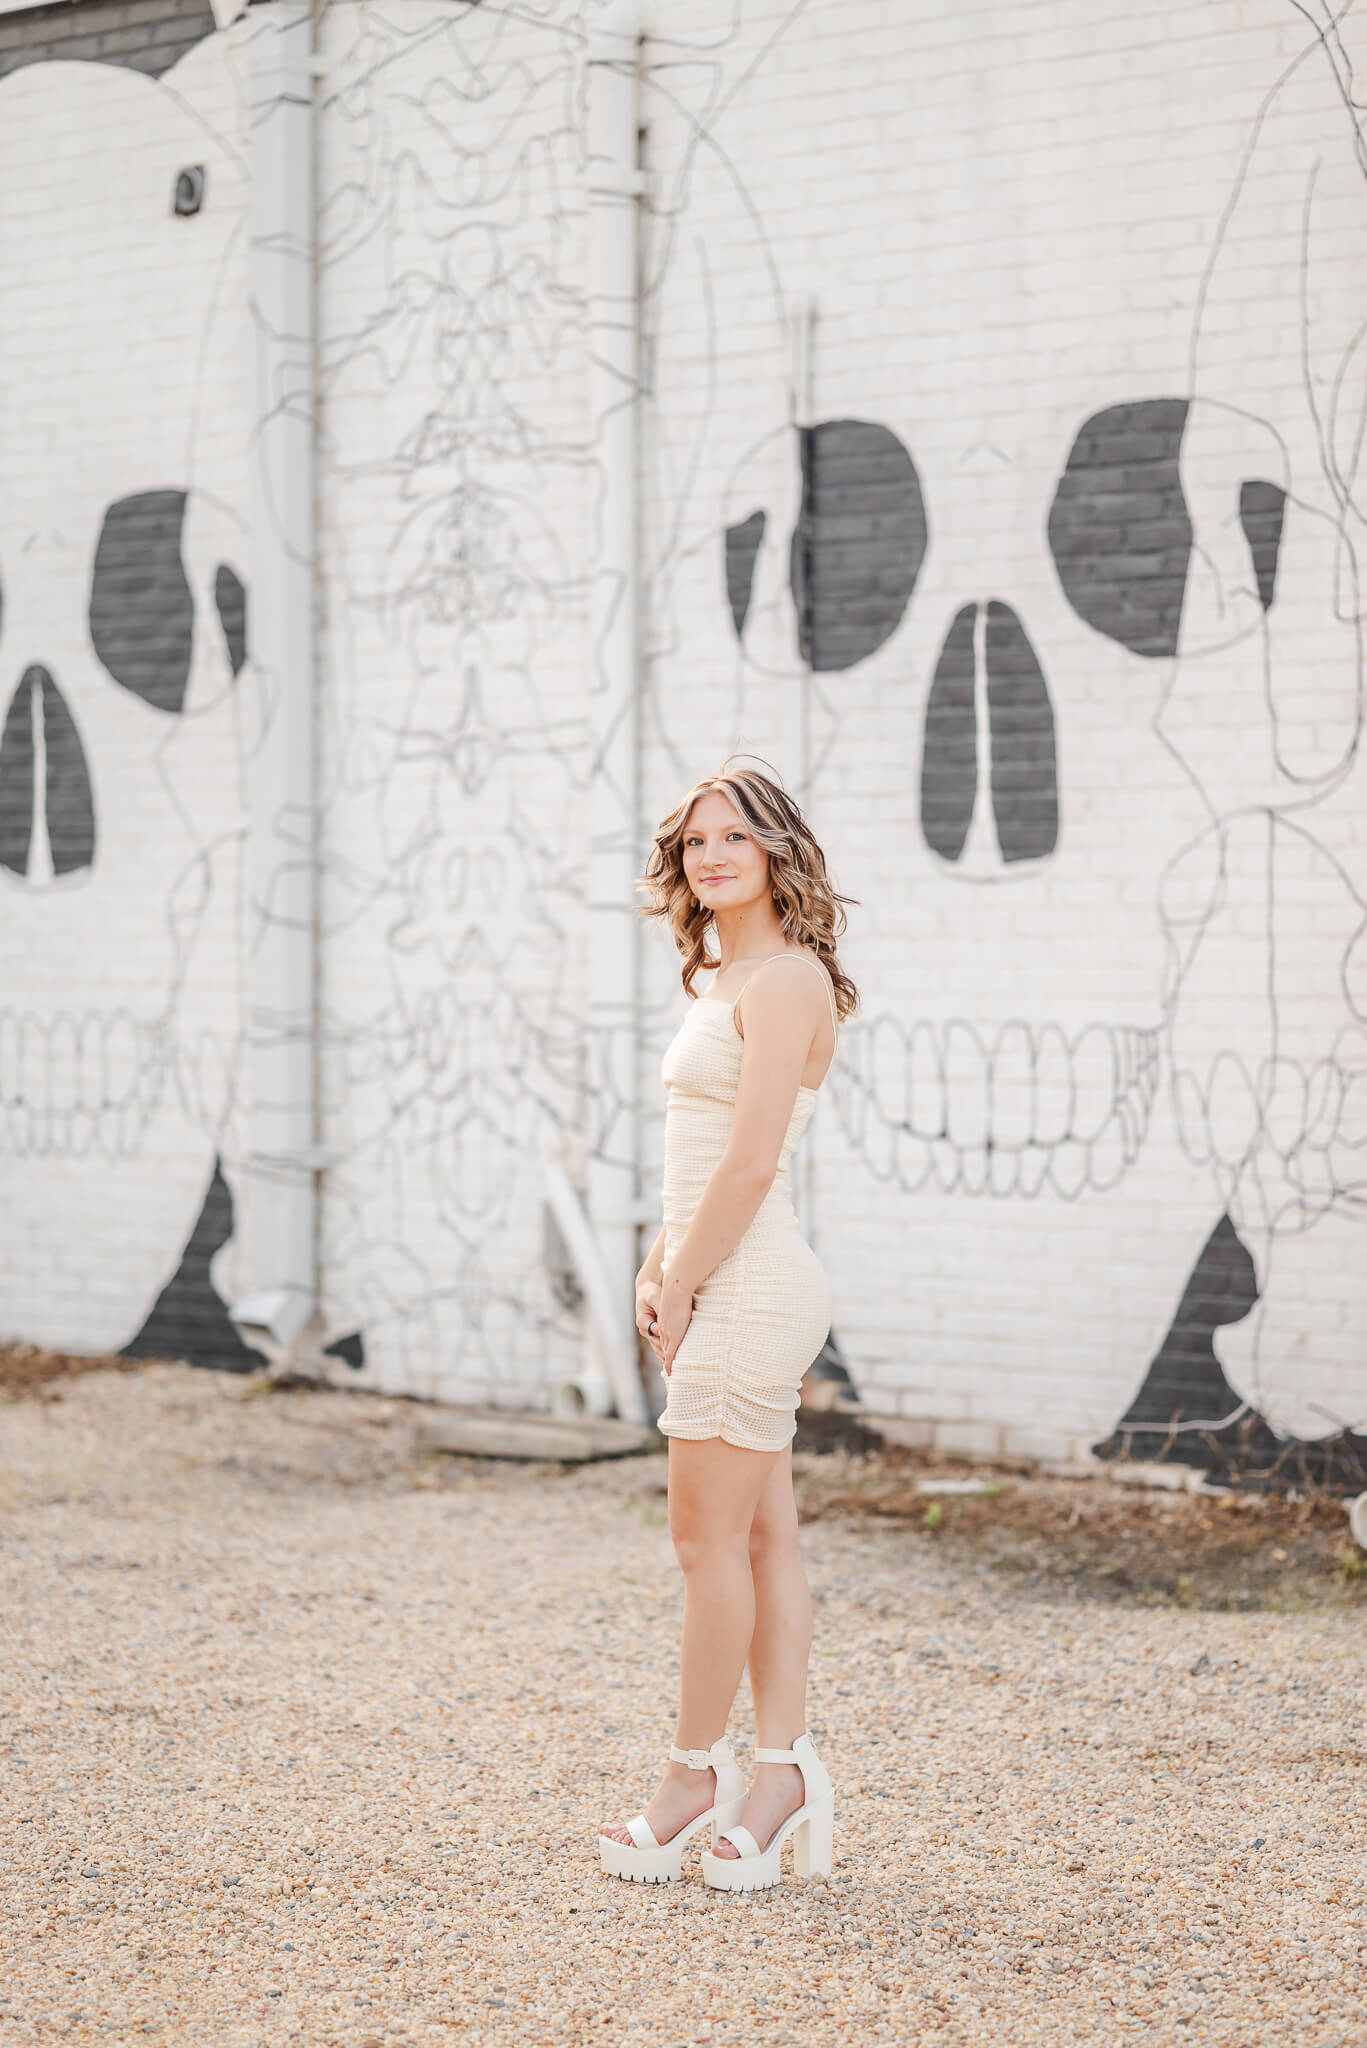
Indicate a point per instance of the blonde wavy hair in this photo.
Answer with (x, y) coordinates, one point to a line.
(811, 909)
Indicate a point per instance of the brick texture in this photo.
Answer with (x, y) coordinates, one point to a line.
(143, 35)
(1043, 591)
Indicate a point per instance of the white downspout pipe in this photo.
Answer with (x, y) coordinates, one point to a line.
(592, 1390)
(278, 1224)
(801, 323)
(615, 185)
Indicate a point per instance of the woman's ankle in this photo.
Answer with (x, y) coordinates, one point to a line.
(684, 1774)
(785, 1741)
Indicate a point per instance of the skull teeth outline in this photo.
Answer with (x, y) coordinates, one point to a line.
(1004, 1115)
(78, 1082)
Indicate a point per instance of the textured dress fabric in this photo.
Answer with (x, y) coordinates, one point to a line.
(762, 1315)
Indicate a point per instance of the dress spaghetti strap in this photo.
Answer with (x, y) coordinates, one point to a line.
(816, 966)
(807, 961)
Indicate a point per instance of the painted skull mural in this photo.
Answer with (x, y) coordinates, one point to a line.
(1042, 578)
(1117, 979)
(122, 568)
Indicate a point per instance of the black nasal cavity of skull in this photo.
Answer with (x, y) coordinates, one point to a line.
(987, 667)
(47, 811)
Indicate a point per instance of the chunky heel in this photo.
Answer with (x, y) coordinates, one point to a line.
(811, 1830)
(814, 1841)
(648, 1861)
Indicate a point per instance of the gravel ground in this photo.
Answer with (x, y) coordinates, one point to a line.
(306, 1737)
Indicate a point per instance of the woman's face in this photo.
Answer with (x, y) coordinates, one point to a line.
(723, 865)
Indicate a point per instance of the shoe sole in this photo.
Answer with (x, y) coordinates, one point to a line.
(665, 1864)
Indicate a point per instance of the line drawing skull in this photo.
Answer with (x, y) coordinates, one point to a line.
(123, 632)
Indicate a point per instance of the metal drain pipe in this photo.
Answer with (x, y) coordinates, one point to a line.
(280, 1197)
(615, 185)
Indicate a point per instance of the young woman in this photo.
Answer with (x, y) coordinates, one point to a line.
(736, 1307)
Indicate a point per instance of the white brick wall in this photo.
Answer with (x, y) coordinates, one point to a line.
(454, 732)
(125, 370)
(1009, 222)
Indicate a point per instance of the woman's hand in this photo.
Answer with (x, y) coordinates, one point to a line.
(648, 1312)
(673, 1317)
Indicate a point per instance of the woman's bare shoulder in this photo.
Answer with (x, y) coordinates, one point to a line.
(790, 967)
(787, 980)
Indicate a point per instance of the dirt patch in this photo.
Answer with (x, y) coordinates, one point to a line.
(1098, 1538)
(29, 1369)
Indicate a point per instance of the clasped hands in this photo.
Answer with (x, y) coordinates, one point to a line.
(664, 1309)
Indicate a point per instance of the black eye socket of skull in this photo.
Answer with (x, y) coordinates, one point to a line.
(142, 613)
(1119, 530)
(859, 542)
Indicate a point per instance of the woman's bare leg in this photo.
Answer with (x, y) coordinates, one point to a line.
(714, 1491)
(779, 1652)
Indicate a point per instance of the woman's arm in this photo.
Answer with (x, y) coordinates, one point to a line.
(648, 1293)
(784, 1009)
(653, 1264)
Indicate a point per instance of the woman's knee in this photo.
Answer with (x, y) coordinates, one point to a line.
(773, 1535)
(700, 1544)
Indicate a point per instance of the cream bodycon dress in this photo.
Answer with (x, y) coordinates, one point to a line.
(762, 1315)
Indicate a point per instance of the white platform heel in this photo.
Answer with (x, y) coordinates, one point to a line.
(652, 1862)
(811, 1828)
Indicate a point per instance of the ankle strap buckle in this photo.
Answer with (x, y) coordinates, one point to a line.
(703, 1759)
